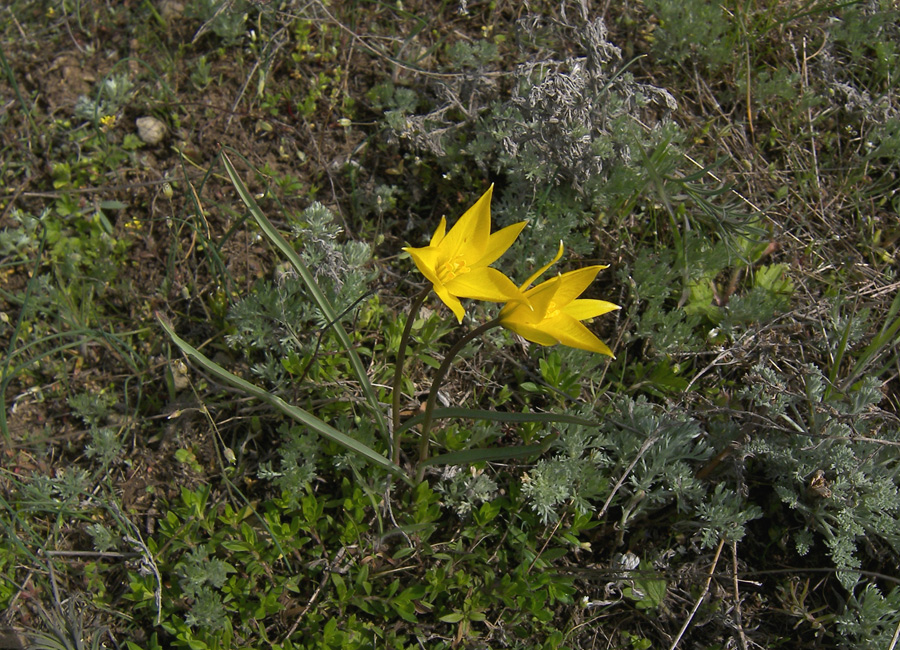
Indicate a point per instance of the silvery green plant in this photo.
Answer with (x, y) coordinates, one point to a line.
(654, 452)
(572, 136)
(579, 120)
(870, 621)
(298, 454)
(278, 319)
(201, 576)
(112, 95)
(464, 490)
(832, 460)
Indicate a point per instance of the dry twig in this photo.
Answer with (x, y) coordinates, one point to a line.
(709, 577)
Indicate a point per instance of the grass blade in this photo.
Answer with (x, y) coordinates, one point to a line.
(885, 338)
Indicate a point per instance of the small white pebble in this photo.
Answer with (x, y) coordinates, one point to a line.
(150, 129)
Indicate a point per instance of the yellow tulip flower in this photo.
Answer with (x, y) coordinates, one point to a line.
(553, 312)
(457, 262)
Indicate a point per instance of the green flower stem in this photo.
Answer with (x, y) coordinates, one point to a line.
(398, 371)
(436, 384)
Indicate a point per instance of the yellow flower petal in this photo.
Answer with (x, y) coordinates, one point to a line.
(573, 283)
(555, 312)
(440, 233)
(574, 334)
(451, 301)
(468, 237)
(499, 243)
(534, 276)
(531, 333)
(542, 299)
(426, 261)
(457, 261)
(585, 309)
(483, 284)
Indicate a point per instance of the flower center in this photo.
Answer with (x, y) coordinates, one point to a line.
(451, 269)
(552, 311)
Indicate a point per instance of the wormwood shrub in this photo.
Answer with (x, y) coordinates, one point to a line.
(831, 459)
(278, 324)
(871, 619)
(577, 121)
(657, 453)
(693, 32)
(573, 120)
(570, 136)
(291, 346)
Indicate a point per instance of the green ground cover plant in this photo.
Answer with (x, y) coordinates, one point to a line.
(310, 339)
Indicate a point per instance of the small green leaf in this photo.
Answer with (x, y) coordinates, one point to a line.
(774, 278)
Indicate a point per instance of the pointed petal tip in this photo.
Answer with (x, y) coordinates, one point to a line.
(534, 276)
(439, 233)
(451, 301)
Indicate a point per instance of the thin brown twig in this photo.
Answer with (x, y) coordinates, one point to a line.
(641, 452)
(804, 78)
(277, 44)
(738, 616)
(20, 589)
(428, 73)
(748, 98)
(315, 596)
(18, 26)
(544, 547)
(113, 555)
(896, 638)
(709, 577)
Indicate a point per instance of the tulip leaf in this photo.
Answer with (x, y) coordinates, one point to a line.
(498, 416)
(321, 300)
(294, 412)
(470, 456)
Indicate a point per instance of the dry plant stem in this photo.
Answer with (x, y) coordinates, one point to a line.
(99, 554)
(546, 542)
(896, 638)
(329, 568)
(709, 577)
(643, 450)
(398, 371)
(436, 384)
(738, 615)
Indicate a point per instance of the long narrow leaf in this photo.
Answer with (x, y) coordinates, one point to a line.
(497, 416)
(883, 339)
(320, 298)
(291, 411)
(469, 456)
